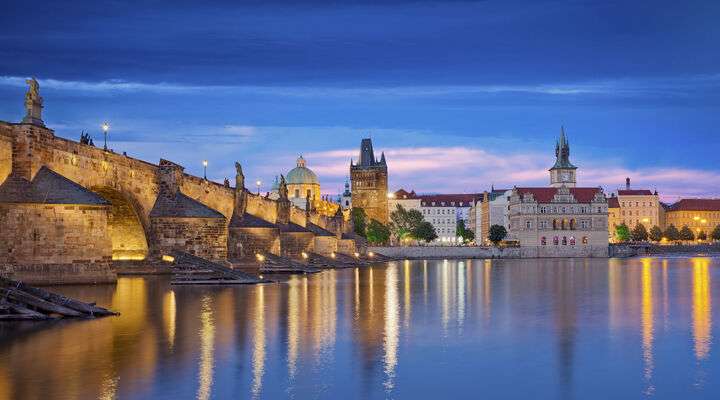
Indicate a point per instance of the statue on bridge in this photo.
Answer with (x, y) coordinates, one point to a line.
(239, 177)
(283, 190)
(33, 104)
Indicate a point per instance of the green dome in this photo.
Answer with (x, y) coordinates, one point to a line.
(301, 174)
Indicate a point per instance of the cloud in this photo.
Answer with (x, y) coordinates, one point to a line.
(472, 169)
(616, 87)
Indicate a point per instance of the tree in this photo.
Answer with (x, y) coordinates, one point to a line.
(496, 234)
(425, 231)
(716, 233)
(359, 220)
(639, 233)
(404, 222)
(461, 231)
(686, 233)
(656, 234)
(672, 233)
(702, 235)
(622, 233)
(377, 233)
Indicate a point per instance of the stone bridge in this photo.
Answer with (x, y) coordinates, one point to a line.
(67, 209)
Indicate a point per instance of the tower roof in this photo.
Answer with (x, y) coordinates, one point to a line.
(562, 152)
(367, 155)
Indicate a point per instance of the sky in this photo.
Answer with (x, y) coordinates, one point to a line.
(460, 95)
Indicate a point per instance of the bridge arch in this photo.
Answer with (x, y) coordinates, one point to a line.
(127, 224)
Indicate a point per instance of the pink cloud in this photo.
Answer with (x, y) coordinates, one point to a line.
(472, 169)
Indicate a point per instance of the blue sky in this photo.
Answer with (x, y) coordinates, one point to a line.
(460, 95)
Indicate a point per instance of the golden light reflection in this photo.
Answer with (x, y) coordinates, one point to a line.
(392, 325)
(461, 293)
(169, 317)
(357, 293)
(407, 305)
(258, 357)
(445, 299)
(108, 388)
(487, 298)
(293, 326)
(5, 384)
(702, 307)
(647, 323)
(207, 349)
(614, 293)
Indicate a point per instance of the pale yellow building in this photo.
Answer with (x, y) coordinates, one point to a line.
(700, 215)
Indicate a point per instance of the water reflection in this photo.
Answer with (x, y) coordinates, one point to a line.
(406, 329)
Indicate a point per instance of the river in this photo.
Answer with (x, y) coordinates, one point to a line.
(511, 329)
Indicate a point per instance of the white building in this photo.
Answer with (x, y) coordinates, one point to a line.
(443, 211)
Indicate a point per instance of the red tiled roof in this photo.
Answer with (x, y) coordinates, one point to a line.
(403, 194)
(546, 194)
(464, 199)
(696, 205)
(613, 202)
(635, 192)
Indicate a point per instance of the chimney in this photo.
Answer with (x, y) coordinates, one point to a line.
(627, 183)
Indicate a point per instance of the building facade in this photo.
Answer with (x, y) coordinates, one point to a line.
(634, 206)
(700, 215)
(444, 211)
(369, 181)
(561, 220)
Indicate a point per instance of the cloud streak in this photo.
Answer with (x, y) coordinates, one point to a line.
(618, 87)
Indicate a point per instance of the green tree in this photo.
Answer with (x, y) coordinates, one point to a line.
(377, 233)
(686, 233)
(656, 234)
(404, 222)
(716, 233)
(622, 233)
(424, 231)
(672, 233)
(359, 220)
(639, 233)
(463, 232)
(702, 235)
(496, 234)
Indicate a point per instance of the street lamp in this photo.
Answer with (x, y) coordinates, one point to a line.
(205, 169)
(105, 129)
(258, 183)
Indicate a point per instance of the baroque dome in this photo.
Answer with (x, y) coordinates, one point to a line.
(301, 174)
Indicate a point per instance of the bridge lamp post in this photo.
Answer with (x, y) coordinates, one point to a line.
(258, 183)
(105, 129)
(205, 169)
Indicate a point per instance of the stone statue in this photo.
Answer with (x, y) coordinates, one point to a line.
(226, 183)
(239, 177)
(283, 190)
(33, 104)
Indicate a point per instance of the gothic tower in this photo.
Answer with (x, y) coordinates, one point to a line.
(369, 180)
(563, 173)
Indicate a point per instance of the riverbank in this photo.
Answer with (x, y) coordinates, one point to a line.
(446, 252)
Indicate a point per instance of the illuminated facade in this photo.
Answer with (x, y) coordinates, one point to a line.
(700, 215)
(562, 220)
(634, 206)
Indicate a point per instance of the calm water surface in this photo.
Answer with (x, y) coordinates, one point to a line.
(576, 329)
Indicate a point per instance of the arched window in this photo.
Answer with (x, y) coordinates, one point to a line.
(555, 224)
(555, 240)
(584, 240)
(543, 241)
(572, 240)
(308, 194)
(297, 192)
(563, 224)
(564, 241)
(572, 224)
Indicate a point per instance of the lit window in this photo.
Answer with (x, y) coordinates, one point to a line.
(564, 241)
(555, 240)
(543, 241)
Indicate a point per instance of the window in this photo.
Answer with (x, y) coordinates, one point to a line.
(543, 241)
(543, 224)
(584, 224)
(543, 210)
(555, 240)
(584, 240)
(572, 224)
(528, 224)
(572, 240)
(564, 241)
(297, 192)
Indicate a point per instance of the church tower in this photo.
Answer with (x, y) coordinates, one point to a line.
(369, 181)
(563, 173)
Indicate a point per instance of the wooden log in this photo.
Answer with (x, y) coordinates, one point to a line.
(38, 303)
(79, 306)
